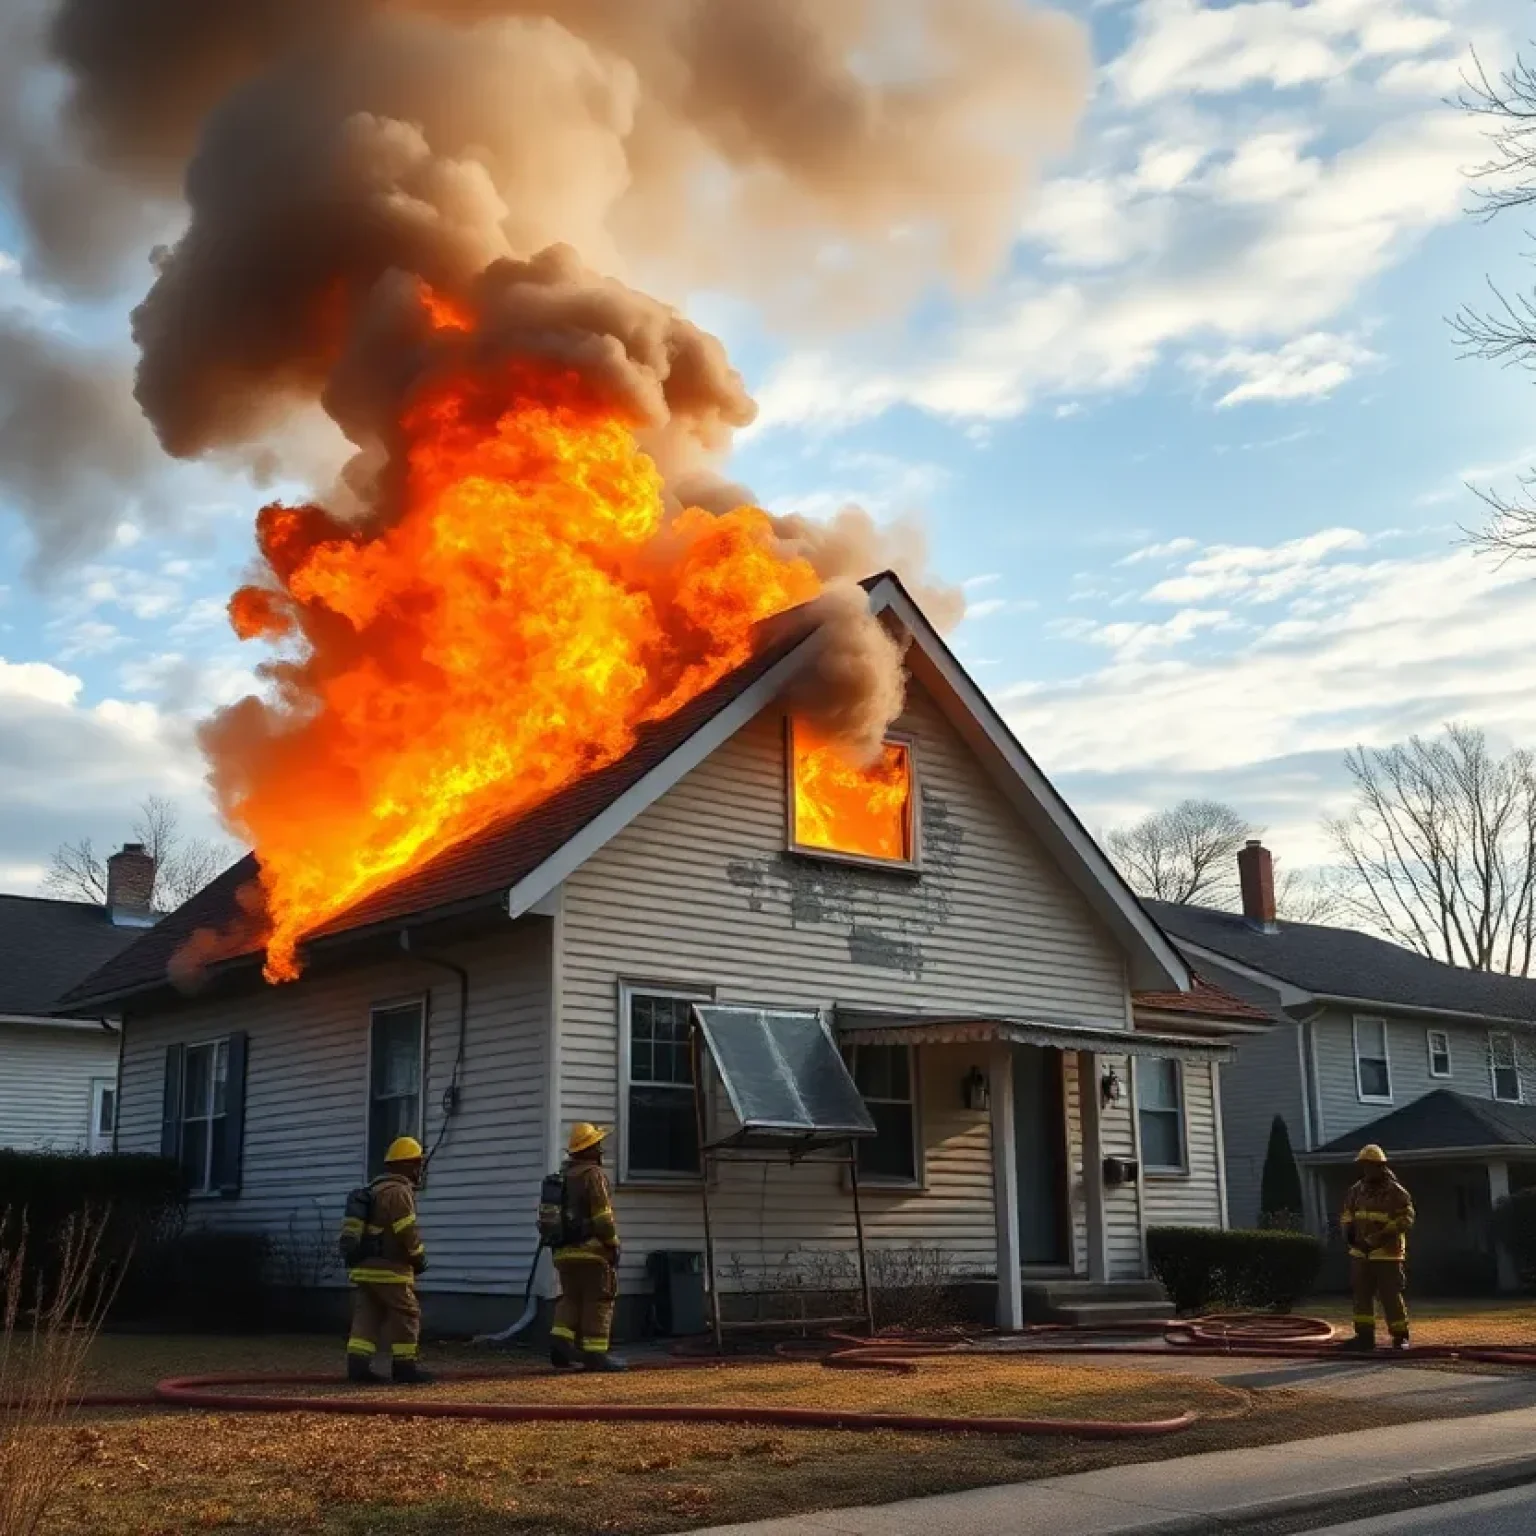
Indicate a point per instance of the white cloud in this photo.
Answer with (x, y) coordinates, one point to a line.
(1162, 551)
(987, 606)
(1255, 573)
(37, 682)
(1132, 640)
(1305, 368)
(1271, 271)
(1408, 645)
(976, 583)
(1180, 46)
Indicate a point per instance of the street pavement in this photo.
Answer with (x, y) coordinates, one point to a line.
(1511, 1513)
(1186, 1494)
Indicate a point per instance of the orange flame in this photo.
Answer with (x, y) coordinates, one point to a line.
(526, 612)
(846, 808)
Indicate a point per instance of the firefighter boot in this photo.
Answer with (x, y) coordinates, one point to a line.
(407, 1373)
(601, 1360)
(360, 1370)
(562, 1355)
(1401, 1343)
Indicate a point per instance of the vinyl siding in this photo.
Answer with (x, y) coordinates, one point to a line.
(45, 1084)
(1408, 1049)
(699, 891)
(1263, 1079)
(306, 1102)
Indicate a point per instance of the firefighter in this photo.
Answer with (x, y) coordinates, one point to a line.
(586, 1258)
(389, 1255)
(1378, 1212)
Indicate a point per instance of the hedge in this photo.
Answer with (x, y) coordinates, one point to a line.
(139, 1198)
(1514, 1226)
(1203, 1268)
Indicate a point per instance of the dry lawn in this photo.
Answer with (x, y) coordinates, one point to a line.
(152, 1474)
(1502, 1321)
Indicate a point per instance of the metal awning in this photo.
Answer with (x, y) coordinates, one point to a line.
(784, 1076)
(864, 1027)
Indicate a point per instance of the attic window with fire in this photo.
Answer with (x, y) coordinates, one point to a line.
(843, 809)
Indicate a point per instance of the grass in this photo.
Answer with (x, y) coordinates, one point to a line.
(151, 1474)
(1495, 1321)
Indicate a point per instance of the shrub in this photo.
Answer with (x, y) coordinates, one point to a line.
(1514, 1226)
(199, 1279)
(1280, 1201)
(1203, 1268)
(133, 1199)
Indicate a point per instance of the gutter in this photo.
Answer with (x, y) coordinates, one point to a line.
(1500, 1151)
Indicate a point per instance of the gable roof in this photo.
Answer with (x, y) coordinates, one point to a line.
(514, 863)
(1442, 1121)
(47, 946)
(1204, 1000)
(1341, 963)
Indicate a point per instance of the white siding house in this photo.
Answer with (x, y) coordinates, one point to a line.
(1009, 955)
(58, 1085)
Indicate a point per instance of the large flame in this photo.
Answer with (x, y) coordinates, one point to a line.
(527, 611)
(846, 807)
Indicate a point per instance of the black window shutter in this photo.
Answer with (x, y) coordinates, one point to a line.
(170, 1104)
(234, 1114)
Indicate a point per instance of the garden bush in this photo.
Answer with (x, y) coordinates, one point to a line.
(136, 1199)
(198, 1279)
(1203, 1268)
(1514, 1226)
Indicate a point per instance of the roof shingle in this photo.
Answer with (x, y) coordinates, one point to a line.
(1443, 1121)
(48, 946)
(1341, 962)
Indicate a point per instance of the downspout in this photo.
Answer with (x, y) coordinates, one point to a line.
(454, 1092)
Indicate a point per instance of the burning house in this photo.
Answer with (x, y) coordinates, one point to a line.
(1040, 1068)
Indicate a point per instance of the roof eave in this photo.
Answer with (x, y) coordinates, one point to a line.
(1470, 1016)
(1498, 1149)
(1203, 1023)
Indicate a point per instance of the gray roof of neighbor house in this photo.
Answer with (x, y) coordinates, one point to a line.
(1339, 962)
(46, 947)
(1441, 1121)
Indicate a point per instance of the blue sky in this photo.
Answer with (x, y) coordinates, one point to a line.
(1199, 454)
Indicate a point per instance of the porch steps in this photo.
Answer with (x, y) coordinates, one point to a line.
(1089, 1303)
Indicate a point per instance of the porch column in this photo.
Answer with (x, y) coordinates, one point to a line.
(1093, 1164)
(1498, 1189)
(1005, 1190)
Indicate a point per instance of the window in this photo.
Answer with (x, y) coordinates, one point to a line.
(103, 1113)
(661, 1138)
(840, 808)
(1160, 1098)
(1373, 1067)
(885, 1078)
(1439, 1053)
(204, 1101)
(1506, 1068)
(396, 1037)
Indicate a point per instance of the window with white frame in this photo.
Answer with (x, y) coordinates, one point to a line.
(204, 1101)
(1160, 1108)
(396, 1041)
(1439, 1053)
(1505, 1066)
(661, 1137)
(103, 1113)
(1373, 1065)
(886, 1078)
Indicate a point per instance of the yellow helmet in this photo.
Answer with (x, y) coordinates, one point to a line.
(1371, 1154)
(404, 1149)
(583, 1135)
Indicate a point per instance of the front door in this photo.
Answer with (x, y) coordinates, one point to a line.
(1040, 1135)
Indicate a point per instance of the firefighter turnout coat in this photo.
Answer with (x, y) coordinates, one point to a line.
(1376, 1219)
(589, 1202)
(396, 1252)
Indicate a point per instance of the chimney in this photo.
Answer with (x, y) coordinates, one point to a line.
(1256, 870)
(130, 886)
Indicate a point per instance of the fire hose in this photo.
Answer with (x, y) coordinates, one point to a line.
(1232, 1335)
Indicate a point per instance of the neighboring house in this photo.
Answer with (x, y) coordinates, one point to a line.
(1021, 1030)
(1372, 1042)
(58, 1073)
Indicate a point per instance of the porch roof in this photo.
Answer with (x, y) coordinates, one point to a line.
(859, 1026)
(1441, 1126)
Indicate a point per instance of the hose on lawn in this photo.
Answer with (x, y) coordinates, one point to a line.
(1236, 1334)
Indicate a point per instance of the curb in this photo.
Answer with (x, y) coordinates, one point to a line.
(1310, 1511)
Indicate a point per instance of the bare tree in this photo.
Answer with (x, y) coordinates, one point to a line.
(1506, 332)
(1310, 896)
(1184, 854)
(183, 865)
(1441, 848)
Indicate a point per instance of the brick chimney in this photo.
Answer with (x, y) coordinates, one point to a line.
(130, 886)
(1256, 871)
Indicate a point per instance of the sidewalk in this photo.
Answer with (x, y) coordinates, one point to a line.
(1182, 1495)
